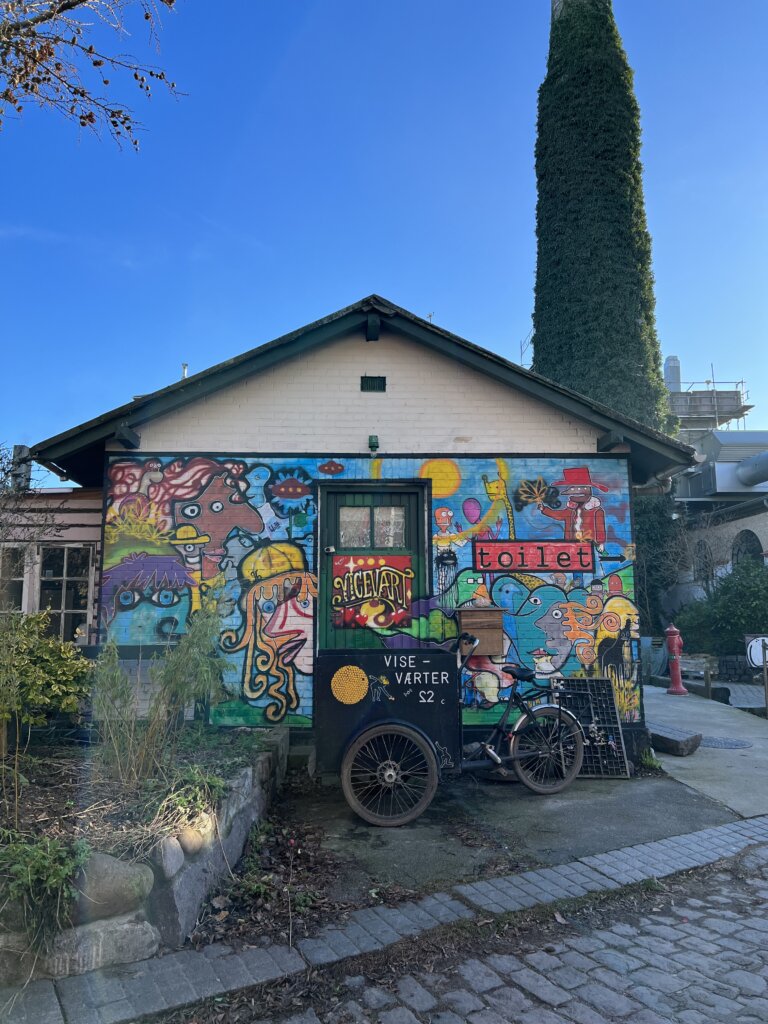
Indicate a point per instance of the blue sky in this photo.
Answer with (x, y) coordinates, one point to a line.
(327, 149)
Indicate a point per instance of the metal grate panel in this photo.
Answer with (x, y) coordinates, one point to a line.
(373, 383)
(594, 704)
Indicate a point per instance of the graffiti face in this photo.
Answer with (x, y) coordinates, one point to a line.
(157, 614)
(278, 618)
(541, 600)
(214, 513)
(508, 594)
(553, 625)
(292, 621)
(443, 517)
(146, 596)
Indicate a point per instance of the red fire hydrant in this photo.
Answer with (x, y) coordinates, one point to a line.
(675, 649)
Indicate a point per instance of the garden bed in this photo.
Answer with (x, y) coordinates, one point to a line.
(67, 794)
(147, 854)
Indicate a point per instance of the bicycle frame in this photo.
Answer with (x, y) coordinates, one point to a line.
(501, 734)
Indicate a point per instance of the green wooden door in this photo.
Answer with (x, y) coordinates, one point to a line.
(372, 563)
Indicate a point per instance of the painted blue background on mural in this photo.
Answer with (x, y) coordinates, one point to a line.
(182, 531)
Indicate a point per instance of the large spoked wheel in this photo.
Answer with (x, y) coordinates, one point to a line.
(550, 749)
(389, 775)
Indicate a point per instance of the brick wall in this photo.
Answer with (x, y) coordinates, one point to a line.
(314, 403)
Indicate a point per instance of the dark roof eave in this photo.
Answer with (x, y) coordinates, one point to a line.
(94, 433)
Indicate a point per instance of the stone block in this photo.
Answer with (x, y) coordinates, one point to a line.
(168, 856)
(678, 742)
(117, 940)
(110, 887)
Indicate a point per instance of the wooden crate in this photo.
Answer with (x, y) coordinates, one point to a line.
(486, 625)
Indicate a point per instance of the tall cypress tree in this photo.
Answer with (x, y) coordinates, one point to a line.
(594, 323)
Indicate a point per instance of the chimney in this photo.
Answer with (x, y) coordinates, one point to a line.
(21, 468)
(672, 373)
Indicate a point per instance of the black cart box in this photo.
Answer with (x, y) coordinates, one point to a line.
(358, 689)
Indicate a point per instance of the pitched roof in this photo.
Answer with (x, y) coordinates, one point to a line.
(78, 452)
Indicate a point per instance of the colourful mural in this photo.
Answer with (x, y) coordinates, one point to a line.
(545, 539)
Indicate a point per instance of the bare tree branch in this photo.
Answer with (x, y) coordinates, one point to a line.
(47, 53)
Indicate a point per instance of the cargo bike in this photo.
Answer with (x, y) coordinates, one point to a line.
(411, 733)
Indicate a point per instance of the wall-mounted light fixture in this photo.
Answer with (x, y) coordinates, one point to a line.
(373, 443)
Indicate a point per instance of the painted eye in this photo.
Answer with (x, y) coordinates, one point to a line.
(305, 603)
(557, 614)
(268, 607)
(165, 598)
(535, 600)
(129, 598)
(246, 541)
(217, 506)
(190, 548)
(191, 511)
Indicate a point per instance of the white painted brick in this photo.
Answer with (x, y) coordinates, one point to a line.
(314, 404)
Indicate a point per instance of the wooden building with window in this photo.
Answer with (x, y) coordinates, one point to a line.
(366, 482)
(48, 558)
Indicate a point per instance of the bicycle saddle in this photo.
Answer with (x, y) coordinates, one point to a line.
(525, 675)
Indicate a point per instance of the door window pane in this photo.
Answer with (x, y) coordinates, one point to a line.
(389, 526)
(354, 527)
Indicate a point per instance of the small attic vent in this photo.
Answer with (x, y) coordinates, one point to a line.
(373, 383)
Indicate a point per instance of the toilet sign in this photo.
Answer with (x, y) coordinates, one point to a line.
(755, 650)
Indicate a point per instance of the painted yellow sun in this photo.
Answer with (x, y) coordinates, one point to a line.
(349, 684)
(444, 474)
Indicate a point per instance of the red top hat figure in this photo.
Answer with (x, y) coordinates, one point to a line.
(578, 477)
(583, 517)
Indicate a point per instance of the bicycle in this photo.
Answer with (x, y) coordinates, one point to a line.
(389, 773)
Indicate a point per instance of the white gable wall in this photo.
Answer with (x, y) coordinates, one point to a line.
(313, 403)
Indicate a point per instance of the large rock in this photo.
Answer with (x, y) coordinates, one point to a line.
(109, 887)
(168, 856)
(120, 940)
(193, 840)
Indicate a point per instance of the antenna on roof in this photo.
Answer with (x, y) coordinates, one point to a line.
(184, 368)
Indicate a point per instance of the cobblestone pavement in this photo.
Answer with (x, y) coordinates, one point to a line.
(704, 961)
(122, 994)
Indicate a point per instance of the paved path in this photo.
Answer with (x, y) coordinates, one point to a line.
(121, 994)
(735, 776)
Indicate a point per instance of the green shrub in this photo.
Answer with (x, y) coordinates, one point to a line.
(39, 675)
(737, 606)
(186, 675)
(38, 873)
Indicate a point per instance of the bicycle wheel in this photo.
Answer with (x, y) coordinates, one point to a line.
(389, 775)
(550, 750)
